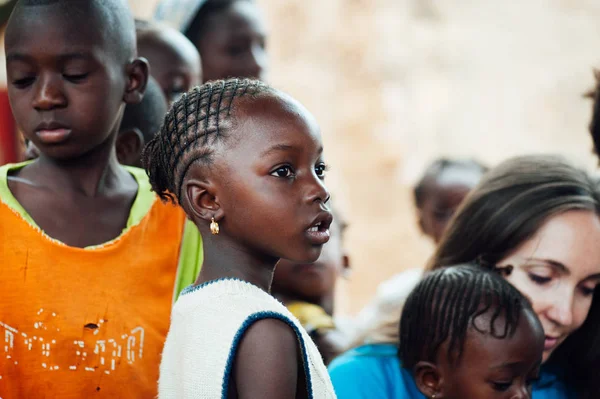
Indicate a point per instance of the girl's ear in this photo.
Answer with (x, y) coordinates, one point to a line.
(429, 379)
(202, 199)
(137, 78)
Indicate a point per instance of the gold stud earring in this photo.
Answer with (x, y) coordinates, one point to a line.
(214, 227)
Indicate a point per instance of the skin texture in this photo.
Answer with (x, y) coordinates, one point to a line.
(314, 282)
(444, 193)
(66, 72)
(557, 270)
(233, 43)
(265, 189)
(174, 61)
(489, 368)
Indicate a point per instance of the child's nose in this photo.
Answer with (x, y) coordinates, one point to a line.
(317, 191)
(48, 94)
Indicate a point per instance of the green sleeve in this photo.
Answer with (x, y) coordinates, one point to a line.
(190, 258)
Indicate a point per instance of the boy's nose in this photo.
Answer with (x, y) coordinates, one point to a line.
(49, 94)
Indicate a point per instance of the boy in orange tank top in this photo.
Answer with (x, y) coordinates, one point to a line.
(89, 256)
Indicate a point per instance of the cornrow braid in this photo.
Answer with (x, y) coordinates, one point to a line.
(446, 303)
(190, 131)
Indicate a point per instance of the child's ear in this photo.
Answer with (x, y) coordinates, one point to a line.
(129, 147)
(429, 379)
(202, 200)
(421, 222)
(137, 78)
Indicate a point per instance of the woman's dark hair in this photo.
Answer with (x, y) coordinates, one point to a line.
(435, 169)
(444, 306)
(191, 130)
(196, 28)
(506, 209)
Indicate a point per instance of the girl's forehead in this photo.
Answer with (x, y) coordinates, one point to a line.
(277, 118)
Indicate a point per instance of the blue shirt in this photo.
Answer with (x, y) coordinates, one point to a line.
(374, 372)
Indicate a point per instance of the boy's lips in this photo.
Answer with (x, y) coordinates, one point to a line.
(52, 133)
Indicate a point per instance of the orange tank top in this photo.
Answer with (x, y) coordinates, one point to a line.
(79, 323)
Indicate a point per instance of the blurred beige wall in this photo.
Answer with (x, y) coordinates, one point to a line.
(396, 83)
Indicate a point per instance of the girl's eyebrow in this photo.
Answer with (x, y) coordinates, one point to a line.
(279, 148)
(285, 147)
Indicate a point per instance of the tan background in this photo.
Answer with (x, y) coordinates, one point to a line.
(396, 83)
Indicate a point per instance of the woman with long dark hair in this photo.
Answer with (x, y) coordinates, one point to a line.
(538, 219)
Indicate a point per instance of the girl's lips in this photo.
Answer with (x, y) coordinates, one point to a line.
(318, 237)
(53, 136)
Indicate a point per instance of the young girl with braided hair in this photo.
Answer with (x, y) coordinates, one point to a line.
(245, 162)
(465, 332)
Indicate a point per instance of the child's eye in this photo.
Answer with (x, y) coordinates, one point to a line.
(501, 386)
(283, 171)
(320, 170)
(23, 82)
(75, 77)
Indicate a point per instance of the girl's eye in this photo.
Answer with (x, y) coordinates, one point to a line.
(283, 171)
(501, 386)
(320, 170)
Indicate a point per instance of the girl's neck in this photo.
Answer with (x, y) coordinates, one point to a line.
(91, 174)
(225, 259)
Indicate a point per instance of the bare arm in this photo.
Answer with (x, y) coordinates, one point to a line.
(266, 363)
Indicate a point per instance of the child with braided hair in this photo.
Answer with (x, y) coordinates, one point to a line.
(245, 162)
(468, 333)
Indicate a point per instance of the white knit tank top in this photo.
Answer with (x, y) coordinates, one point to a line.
(207, 324)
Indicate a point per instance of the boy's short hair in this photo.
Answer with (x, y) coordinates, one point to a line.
(444, 306)
(114, 15)
(148, 115)
(435, 169)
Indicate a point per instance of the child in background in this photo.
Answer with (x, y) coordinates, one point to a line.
(89, 255)
(174, 61)
(443, 187)
(464, 333)
(437, 195)
(246, 164)
(468, 333)
(140, 123)
(230, 35)
(308, 290)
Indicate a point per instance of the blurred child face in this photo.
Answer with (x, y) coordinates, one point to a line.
(492, 368)
(312, 281)
(174, 62)
(233, 43)
(269, 181)
(66, 87)
(558, 269)
(443, 196)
